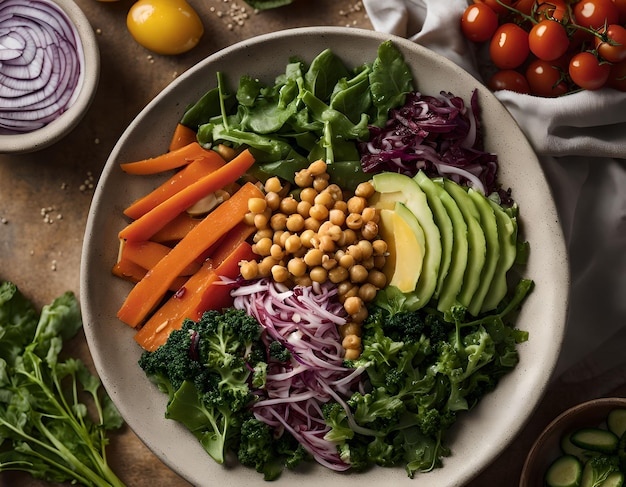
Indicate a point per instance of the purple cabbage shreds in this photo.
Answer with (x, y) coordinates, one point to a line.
(438, 135)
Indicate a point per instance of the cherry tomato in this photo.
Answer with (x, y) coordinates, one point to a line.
(617, 77)
(552, 9)
(479, 22)
(495, 6)
(613, 49)
(509, 79)
(164, 26)
(545, 79)
(596, 13)
(548, 40)
(621, 8)
(588, 72)
(524, 6)
(509, 46)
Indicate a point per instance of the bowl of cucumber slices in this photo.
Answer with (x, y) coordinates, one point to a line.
(584, 446)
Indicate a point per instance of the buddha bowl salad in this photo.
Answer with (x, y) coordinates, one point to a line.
(329, 273)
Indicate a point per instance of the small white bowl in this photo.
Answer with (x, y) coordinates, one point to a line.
(86, 90)
(547, 448)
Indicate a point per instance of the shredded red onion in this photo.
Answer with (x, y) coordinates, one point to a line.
(438, 135)
(304, 320)
(41, 64)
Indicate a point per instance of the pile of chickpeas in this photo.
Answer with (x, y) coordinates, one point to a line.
(321, 234)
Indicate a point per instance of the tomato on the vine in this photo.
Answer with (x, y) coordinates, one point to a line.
(552, 10)
(621, 8)
(611, 44)
(545, 79)
(596, 13)
(588, 72)
(548, 40)
(508, 48)
(479, 22)
(509, 79)
(496, 6)
(524, 6)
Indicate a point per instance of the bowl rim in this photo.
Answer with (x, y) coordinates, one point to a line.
(52, 132)
(570, 415)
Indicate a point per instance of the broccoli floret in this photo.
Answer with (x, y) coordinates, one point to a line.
(336, 418)
(412, 326)
(278, 351)
(256, 449)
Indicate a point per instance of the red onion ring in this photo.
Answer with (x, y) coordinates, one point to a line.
(41, 64)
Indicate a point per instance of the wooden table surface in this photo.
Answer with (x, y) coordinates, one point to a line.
(45, 199)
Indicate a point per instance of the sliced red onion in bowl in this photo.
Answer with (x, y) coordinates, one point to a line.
(41, 64)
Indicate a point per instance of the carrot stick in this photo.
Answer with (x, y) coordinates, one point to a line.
(129, 271)
(202, 291)
(176, 229)
(181, 137)
(183, 178)
(148, 292)
(168, 160)
(147, 254)
(147, 225)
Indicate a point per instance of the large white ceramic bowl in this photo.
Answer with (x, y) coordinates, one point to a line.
(480, 435)
(16, 143)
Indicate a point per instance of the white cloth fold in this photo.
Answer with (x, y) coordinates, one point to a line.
(581, 142)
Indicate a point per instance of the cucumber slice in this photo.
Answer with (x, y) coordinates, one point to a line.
(569, 448)
(565, 471)
(595, 439)
(615, 479)
(616, 421)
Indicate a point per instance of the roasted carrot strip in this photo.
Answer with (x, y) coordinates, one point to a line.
(168, 160)
(148, 292)
(176, 229)
(181, 137)
(129, 271)
(202, 291)
(148, 254)
(147, 225)
(183, 178)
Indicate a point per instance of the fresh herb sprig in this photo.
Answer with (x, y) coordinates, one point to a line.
(47, 404)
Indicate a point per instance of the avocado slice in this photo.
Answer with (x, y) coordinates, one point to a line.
(490, 228)
(405, 240)
(460, 249)
(477, 247)
(394, 187)
(444, 224)
(507, 237)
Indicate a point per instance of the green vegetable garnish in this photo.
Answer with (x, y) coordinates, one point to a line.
(46, 427)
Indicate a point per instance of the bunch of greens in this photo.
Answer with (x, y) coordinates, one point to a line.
(210, 370)
(315, 111)
(423, 368)
(45, 422)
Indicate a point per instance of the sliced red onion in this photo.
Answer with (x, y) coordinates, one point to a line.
(41, 64)
(304, 320)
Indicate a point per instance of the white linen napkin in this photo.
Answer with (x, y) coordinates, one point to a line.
(581, 142)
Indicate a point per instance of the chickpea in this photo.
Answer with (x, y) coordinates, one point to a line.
(303, 178)
(346, 261)
(356, 252)
(379, 246)
(327, 244)
(279, 273)
(366, 248)
(341, 205)
(306, 238)
(338, 274)
(365, 190)
(293, 244)
(248, 219)
(318, 274)
(257, 205)
(328, 263)
(353, 304)
(369, 230)
(308, 195)
(379, 261)
(352, 354)
(367, 292)
(351, 342)
(354, 221)
(350, 328)
(370, 214)
(377, 278)
(273, 185)
(358, 273)
(260, 220)
(272, 200)
(265, 266)
(303, 281)
(303, 208)
(318, 167)
(360, 316)
(335, 191)
(249, 269)
(325, 199)
(288, 205)
(336, 216)
(262, 247)
(297, 267)
(356, 204)
(263, 233)
(312, 224)
(350, 236)
(320, 182)
(278, 221)
(313, 257)
(295, 222)
(277, 252)
(319, 212)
